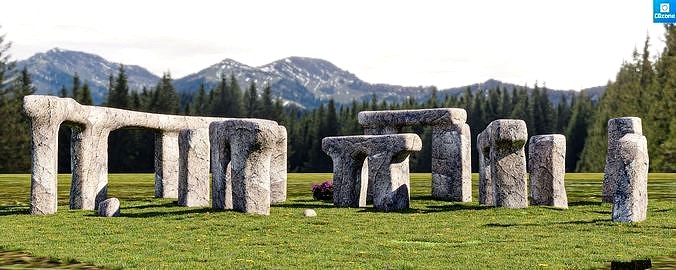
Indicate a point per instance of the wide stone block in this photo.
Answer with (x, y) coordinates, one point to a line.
(547, 168)
(193, 176)
(508, 162)
(247, 147)
(617, 128)
(391, 183)
(630, 202)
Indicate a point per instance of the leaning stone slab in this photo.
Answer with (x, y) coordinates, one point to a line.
(486, 194)
(630, 202)
(91, 126)
(246, 146)
(391, 185)
(109, 208)
(617, 128)
(193, 177)
(451, 164)
(546, 162)
(508, 162)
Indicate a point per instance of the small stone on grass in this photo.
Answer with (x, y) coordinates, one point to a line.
(309, 213)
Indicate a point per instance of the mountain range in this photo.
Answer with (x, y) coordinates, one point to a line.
(306, 82)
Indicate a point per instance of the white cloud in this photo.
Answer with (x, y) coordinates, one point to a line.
(567, 44)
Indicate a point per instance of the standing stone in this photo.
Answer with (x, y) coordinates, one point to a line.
(508, 162)
(278, 167)
(630, 201)
(486, 194)
(109, 208)
(546, 162)
(193, 177)
(617, 128)
(89, 159)
(166, 165)
(385, 153)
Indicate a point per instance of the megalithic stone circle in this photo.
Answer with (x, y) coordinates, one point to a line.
(451, 145)
(385, 153)
(91, 127)
(547, 169)
(617, 128)
(193, 163)
(508, 162)
(247, 146)
(630, 202)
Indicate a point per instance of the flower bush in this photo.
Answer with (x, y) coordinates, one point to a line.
(323, 191)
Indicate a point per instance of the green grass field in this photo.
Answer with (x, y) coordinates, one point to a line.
(155, 233)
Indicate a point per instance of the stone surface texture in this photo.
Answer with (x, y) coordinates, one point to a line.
(546, 167)
(193, 172)
(630, 202)
(617, 128)
(486, 194)
(385, 153)
(451, 146)
(508, 162)
(91, 126)
(278, 176)
(247, 147)
(109, 208)
(309, 213)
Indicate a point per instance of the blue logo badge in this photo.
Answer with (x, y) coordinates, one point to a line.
(664, 11)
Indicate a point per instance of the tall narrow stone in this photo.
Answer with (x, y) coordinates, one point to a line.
(278, 167)
(193, 176)
(166, 165)
(617, 128)
(546, 162)
(486, 194)
(508, 162)
(89, 159)
(630, 201)
(385, 153)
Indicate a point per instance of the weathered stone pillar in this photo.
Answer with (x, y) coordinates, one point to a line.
(508, 162)
(278, 167)
(630, 202)
(391, 188)
(166, 164)
(486, 193)
(547, 167)
(89, 161)
(617, 128)
(221, 185)
(193, 176)
(45, 117)
(403, 166)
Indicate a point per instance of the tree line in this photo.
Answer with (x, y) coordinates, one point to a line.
(644, 87)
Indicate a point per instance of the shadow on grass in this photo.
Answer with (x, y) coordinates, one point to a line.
(167, 213)
(454, 207)
(153, 205)
(507, 225)
(582, 203)
(13, 210)
(304, 205)
(403, 211)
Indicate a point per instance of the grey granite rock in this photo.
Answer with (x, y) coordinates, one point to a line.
(547, 169)
(91, 126)
(385, 153)
(278, 175)
(109, 208)
(508, 162)
(309, 213)
(630, 202)
(193, 175)
(486, 194)
(247, 146)
(617, 128)
(451, 156)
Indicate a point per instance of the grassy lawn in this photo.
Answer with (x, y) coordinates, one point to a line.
(155, 233)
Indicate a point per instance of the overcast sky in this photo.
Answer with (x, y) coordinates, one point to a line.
(565, 44)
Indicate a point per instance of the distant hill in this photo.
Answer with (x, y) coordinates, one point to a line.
(306, 82)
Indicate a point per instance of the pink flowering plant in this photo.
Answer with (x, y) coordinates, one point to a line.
(323, 191)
